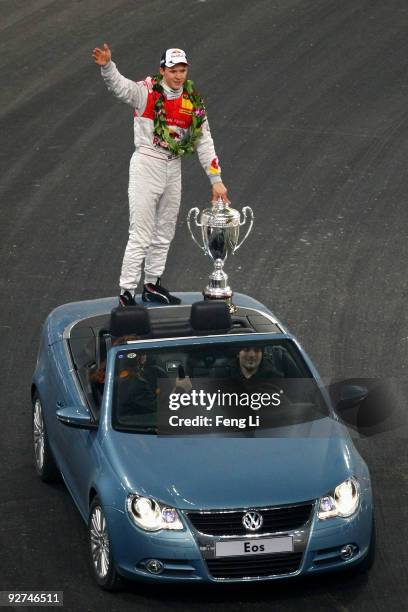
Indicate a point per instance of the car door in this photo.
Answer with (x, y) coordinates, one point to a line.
(76, 447)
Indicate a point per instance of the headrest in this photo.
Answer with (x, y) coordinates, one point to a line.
(130, 320)
(210, 315)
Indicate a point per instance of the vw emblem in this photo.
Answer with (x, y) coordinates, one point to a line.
(252, 520)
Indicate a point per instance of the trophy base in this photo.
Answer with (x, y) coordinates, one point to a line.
(221, 295)
(218, 288)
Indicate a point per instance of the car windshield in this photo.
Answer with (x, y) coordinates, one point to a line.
(223, 388)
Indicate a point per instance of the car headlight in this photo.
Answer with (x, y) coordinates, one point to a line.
(150, 515)
(343, 501)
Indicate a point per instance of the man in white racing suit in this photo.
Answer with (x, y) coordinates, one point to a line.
(155, 171)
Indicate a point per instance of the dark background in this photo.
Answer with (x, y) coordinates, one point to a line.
(307, 105)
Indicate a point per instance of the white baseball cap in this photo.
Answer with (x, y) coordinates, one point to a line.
(171, 57)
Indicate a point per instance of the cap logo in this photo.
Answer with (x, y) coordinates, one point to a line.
(173, 56)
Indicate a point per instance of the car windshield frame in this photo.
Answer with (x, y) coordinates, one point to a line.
(156, 345)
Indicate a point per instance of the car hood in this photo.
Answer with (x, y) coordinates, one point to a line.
(206, 472)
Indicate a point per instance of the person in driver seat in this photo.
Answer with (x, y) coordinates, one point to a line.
(252, 366)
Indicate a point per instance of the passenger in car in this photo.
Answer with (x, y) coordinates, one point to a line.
(139, 386)
(143, 384)
(97, 376)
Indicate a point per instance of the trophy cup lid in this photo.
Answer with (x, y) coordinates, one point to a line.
(220, 215)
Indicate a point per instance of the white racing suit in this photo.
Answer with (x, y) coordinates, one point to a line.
(155, 175)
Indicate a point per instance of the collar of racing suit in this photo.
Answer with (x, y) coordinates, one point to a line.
(171, 94)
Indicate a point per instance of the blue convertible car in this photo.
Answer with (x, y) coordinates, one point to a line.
(198, 445)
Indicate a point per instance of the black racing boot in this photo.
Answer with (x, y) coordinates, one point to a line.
(157, 293)
(126, 299)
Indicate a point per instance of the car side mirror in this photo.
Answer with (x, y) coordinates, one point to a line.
(76, 416)
(368, 406)
(350, 396)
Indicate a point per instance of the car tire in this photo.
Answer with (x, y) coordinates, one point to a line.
(44, 460)
(100, 549)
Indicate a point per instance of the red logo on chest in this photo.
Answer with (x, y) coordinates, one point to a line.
(178, 111)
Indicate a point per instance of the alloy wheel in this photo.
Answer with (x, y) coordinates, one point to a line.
(99, 542)
(38, 434)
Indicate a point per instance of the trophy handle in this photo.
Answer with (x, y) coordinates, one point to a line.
(245, 210)
(196, 212)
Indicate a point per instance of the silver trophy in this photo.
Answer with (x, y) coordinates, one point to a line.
(220, 227)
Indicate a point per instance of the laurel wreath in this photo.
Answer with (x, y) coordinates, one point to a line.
(162, 133)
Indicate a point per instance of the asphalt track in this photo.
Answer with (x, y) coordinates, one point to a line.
(307, 104)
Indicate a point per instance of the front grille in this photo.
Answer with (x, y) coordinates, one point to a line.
(284, 518)
(252, 567)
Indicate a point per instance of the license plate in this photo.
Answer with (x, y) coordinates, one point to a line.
(263, 546)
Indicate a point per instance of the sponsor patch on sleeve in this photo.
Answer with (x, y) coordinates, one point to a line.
(214, 168)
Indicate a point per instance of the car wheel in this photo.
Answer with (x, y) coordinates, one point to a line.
(101, 559)
(44, 461)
